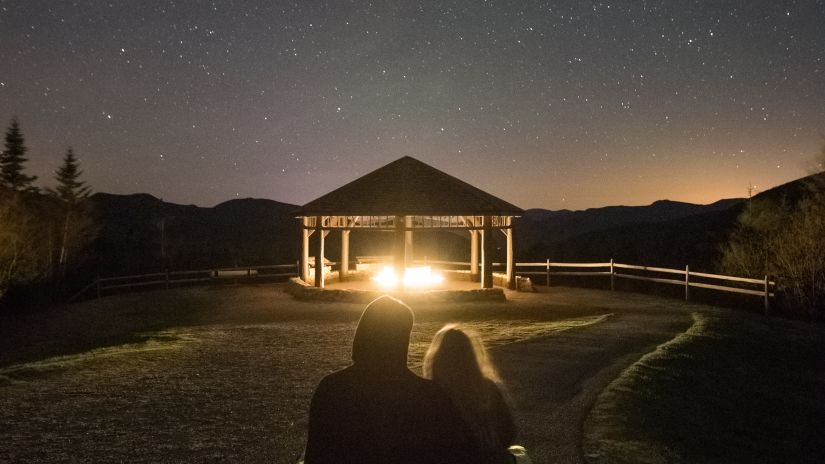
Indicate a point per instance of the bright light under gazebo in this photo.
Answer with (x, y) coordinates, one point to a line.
(417, 277)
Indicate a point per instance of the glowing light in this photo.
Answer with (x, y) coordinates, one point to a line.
(414, 277)
(386, 278)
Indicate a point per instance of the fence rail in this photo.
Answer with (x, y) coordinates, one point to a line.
(169, 278)
(757, 287)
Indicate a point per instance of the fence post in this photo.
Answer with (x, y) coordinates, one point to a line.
(687, 282)
(767, 296)
(612, 277)
(167, 277)
(548, 272)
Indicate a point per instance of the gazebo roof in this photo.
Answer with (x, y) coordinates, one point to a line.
(408, 187)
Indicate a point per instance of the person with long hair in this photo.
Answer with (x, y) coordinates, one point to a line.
(458, 363)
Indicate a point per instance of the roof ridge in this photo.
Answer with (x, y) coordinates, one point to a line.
(408, 186)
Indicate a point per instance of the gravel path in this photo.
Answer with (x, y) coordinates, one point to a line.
(554, 381)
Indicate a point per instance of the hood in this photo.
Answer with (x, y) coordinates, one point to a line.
(383, 334)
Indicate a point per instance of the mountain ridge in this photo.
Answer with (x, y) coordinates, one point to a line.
(142, 233)
(696, 239)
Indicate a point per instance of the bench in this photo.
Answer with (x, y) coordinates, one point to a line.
(371, 263)
(311, 267)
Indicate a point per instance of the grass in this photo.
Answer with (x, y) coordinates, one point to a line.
(165, 340)
(226, 374)
(199, 374)
(735, 387)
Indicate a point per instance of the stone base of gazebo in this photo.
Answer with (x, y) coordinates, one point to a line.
(458, 287)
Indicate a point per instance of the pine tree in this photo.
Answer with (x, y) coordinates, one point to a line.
(12, 160)
(69, 189)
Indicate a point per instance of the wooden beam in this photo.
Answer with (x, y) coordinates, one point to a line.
(399, 248)
(319, 252)
(408, 241)
(487, 253)
(474, 255)
(511, 276)
(344, 270)
(305, 251)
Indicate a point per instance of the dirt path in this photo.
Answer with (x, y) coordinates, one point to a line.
(226, 374)
(554, 381)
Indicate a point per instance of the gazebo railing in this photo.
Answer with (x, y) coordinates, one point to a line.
(422, 222)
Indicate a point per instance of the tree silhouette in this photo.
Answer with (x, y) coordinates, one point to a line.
(77, 224)
(784, 240)
(69, 189)
(12, 160)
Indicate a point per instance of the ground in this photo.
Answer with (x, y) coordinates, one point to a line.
(226, 373)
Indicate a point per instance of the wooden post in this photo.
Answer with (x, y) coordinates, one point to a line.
(767, 296)
(167, 278)
(303, 269)
(319, 252)
(612, 276)
(344, 270)
(687, 282)
(511, 275)
(474, 255)
(408, 241)
(487, 253)
(400, 247)
(548, 273)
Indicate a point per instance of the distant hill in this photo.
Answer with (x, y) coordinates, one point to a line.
(693, 240)
(136, 231)
(141, 233)
(667, 234)
(540, 226)
(792, 192)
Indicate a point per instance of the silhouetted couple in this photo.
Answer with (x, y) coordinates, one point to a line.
(378, 411)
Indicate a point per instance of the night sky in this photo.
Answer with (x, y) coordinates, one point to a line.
(553, 104)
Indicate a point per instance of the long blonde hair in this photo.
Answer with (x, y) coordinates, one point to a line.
(458, 362)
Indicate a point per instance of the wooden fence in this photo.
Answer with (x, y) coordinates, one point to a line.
(757, 287)
(169, 278)
(687, 278)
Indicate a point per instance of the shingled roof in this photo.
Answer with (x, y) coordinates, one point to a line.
(408, 187)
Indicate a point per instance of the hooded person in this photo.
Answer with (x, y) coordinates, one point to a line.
(377, 410)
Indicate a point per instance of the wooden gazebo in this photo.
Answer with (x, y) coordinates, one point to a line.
(406, 196)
